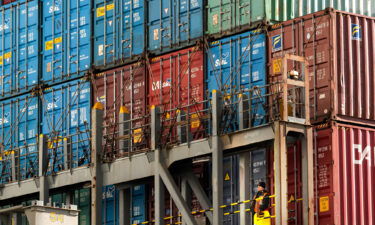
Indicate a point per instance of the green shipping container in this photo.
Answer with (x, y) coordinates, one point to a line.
(82, 198)
(228, 16)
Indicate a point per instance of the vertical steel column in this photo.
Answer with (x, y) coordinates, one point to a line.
(308, 177)
(43, 163)
(96, 179)
(182, 132)
(159, 186)
(281, 179)
(124, 206)
(186, 194)
(244, 187)
(14, 158)
(124, 130)
(217, 160)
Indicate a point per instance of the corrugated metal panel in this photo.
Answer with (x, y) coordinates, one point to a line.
(119, 31)
(66, 41)
(176, 84)
(18, 130)
(123, 86)
(66, 114)
(225, 17)
(345, 181)
(110, 205)
(341, 56)
(139, 213)
(19, 46)
(239, 63)
(174, 24)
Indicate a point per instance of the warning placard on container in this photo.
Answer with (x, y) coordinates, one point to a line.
(195, 122)
(324, 204)
(276, 65)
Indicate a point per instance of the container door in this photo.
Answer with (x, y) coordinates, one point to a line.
(26, 56)
(26, 113)
(138, 204)
(131, 33)
(82, 198)
(110, 205)
(189, 20)
(161, 28)
(6, 48)
(105, 31)
(220, 16)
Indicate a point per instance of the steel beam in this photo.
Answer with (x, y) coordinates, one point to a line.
(217, 160)
(67, 154)
(244, 187)
(308, 177)
(186, 195)
(43, 164)
(125, 206)
(243, 111)
(96, 178)
(199, 193)
(159, 192)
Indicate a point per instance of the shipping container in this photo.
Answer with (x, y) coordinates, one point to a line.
(176, 84)
(19, 47)
(173, 24)
(82, 198)
(66, 29)
(340, 52)
(8, 1)
(110, 205)
(123, 90)
(119, 31)
(237, 64)
(345, 170)
(138, 204)
(225, 17)
(18, 133)
(66, 117)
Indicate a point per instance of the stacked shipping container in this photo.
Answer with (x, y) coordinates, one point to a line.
(173, 54)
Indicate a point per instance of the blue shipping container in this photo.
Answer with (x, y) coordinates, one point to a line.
(174, 23)
(238, 63)
(110, 205)
(66, 114)
(119, 32)
(138, 211)
(19, 41)
(66, 33)
(18, 133)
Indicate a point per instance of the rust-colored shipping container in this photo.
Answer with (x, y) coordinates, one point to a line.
(345, 157)
(341, 54)
(176, 84)
(123, 90)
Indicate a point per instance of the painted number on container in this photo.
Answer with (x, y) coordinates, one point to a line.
(101, 11)
(324, 204)
(56, 217)
(276, 65)
(360, 154)
(215, 19)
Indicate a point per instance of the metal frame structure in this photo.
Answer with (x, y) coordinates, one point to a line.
(155, 163)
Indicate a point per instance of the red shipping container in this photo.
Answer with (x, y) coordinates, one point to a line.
(176, 84)
(8, 1)
(341, 54)
(345, 157)
(123, 87)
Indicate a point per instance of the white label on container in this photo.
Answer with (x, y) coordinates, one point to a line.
(321, 96)
(73, 117)
(215, 19)
(166, 10)
(82, 116)
(136, 17)
(136, 3)
(100, 50)
(194, 3)
(156, 34)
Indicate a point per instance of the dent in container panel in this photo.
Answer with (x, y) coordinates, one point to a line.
(119, 32)
(339, 49)
(19, 41)
(174, 24)
(66, 29)
(176, 85)
(345, 174)
(18, 133)
(238, 64)
(123, 90)
(66, 114)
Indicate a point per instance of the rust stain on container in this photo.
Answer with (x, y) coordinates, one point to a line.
(123, 90)
(341, 54)
(345, 158)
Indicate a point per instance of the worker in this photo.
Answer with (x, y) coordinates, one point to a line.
(260, 206)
